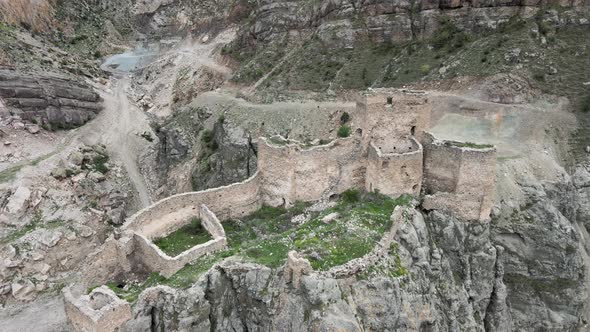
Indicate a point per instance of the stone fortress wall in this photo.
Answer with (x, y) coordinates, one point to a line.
(292, 172)
(383, 154)
(459, 178)
(163, 217)
(390, 151)
(395, 173)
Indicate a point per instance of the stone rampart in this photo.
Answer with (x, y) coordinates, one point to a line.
(110, 261)
(211, 223)
(459, 178)
(393, 114)
(154, 259)
(233, 201)
(293, 172)
(395, 174)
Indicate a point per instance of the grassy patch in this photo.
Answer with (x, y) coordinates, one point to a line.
(344, 131)
(36, 222)
(10, 173)
(390, 266)
(364, 218)
(267, 235)
(469, 145)
(184, 238)
(100, 162)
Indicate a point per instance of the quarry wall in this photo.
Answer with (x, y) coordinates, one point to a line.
(459, 178)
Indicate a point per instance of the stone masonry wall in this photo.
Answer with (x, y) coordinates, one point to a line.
(408, 114)
(99, 311)
(394, 174)
(233, 201)
(154, 259)
(293, 173)
(211, 223)
(459, 179)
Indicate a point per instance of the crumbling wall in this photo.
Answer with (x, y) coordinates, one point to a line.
(155, 260)
(110, 261)
(233, 201)
(292, 173)
(459, 178)
(394, 174)
(390, 114)
(99, 311)
(211, 223)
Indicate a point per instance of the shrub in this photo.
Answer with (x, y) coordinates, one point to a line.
(344, 131)
(207, 136)
(586, 104)
(425, 69)
(345, 118)
(100, 163)
(351, 196)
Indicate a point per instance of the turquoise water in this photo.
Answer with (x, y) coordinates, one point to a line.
(128, 61)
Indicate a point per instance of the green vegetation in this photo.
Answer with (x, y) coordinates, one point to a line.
(344, 118)
(184, 238)
(9, 173)
(267, 235)
(344, 131)
(278, 140)
(585, 104)
(390, 266)
(469, 145)
(100, 163)
(36, 222)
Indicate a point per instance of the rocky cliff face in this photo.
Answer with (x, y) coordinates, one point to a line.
(523, 271)
(545, 257)
(53, 101)
(453, 282)
(345, 22)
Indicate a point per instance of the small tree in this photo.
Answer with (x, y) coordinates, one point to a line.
(344, 118)
(344, 131)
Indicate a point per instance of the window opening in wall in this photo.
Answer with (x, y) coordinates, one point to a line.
(370, 187)
(413, 131)
(389, 100)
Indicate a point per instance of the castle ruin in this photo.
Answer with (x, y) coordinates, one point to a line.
(390, 151)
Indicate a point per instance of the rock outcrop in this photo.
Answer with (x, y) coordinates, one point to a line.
(345, 22)
(453, 282)
(53, 101)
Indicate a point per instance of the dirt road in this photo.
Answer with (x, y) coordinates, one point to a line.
(119, 127)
